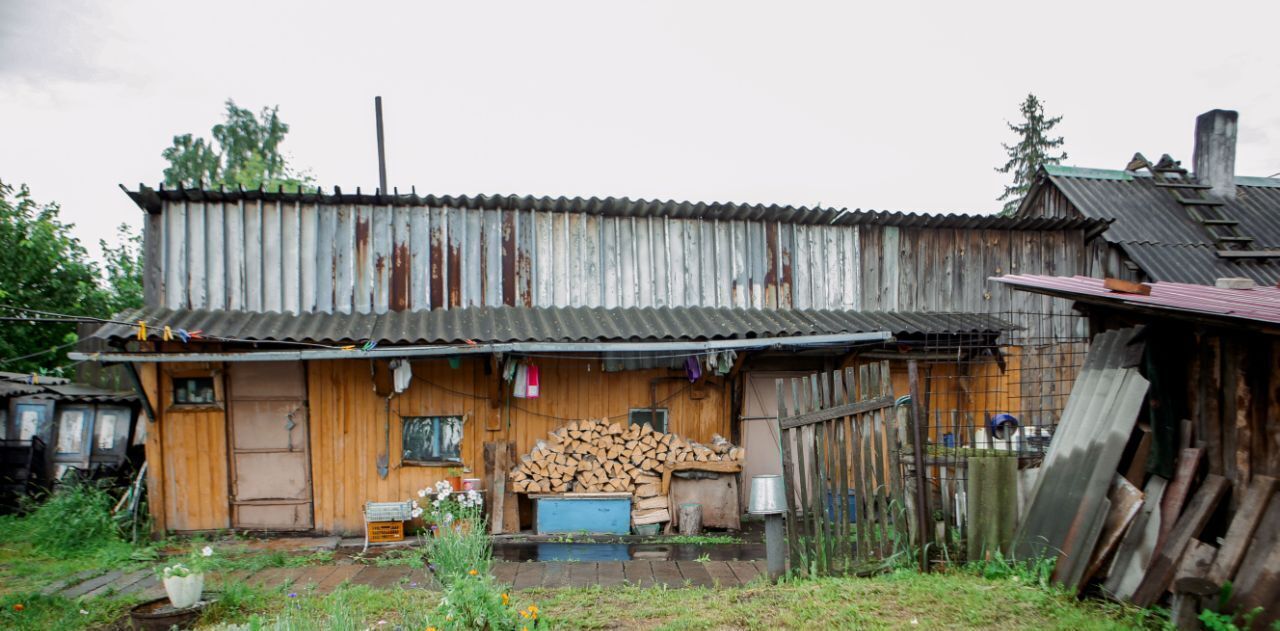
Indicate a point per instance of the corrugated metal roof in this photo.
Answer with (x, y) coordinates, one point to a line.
(1156, 232)
(1257, 305)
(81, 392)
(23, 377)
(13, 389)
(152, 200)
(553, 324)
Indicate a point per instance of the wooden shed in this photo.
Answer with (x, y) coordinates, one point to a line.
(308, 352)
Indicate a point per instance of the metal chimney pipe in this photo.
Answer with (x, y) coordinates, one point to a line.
(382, 150)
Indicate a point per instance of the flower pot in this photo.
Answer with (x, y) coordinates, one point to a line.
(455, 481)
(184, 591)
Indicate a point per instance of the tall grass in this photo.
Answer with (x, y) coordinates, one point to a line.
(75, 520)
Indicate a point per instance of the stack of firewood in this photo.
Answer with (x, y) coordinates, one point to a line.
(596, 456)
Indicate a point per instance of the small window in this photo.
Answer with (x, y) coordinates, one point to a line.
(656, 418)
(431, 439)
(71, 426)
(193, 391)
(107, 431)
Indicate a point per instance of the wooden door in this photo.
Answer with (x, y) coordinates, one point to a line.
(270, 462)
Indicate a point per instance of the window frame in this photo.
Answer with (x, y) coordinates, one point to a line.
(437, 420)
(665, 413)
(219, 394)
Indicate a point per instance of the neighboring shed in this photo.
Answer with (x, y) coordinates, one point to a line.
(1159, 231)
(282, 413)
(49, 425)
(1214, 360)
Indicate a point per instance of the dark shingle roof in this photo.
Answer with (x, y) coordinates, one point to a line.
(1155, 231)
(552, 324)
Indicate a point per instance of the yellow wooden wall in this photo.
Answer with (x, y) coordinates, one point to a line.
(350, 423)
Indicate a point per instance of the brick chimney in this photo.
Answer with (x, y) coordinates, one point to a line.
(1215, 152)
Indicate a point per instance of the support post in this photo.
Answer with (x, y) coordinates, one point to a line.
(775, 546)
(917, 451)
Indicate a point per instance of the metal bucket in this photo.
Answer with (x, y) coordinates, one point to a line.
(768, 496)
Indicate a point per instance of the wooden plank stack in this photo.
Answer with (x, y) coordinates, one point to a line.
(599, 456)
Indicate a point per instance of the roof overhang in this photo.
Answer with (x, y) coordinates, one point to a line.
(394, 352)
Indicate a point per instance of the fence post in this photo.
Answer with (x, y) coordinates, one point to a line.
(917, 447)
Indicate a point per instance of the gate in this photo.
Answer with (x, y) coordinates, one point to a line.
(840, 469)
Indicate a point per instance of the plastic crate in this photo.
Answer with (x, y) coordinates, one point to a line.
(386, 531)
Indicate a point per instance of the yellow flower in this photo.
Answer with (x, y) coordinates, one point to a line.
(524, 614)
(18, 607)
(533, 608)
(506, 600)
(473, 572)
(431, 629)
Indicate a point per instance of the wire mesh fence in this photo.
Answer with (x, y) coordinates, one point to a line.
(983, 395)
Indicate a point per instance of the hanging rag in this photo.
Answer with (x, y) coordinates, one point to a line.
(520, 385)
(692, 369)
(532, 387)
(401, 374)
(724, 362)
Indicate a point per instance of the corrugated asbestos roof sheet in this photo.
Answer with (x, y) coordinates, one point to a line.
(151, 200)
(1257, 305)
(64, 392)
(1155, 231)
(554, 324)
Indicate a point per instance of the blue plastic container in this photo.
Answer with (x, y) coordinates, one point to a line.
(567, 514)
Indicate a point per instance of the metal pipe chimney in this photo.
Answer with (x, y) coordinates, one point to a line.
(1215, 152)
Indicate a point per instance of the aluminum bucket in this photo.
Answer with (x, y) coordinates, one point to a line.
(768, 496)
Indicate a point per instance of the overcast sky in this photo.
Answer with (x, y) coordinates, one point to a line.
(885, 105)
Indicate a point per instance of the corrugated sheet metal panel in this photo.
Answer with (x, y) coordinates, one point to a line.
(12, 389)
(22, 377)
(1155, 231)
(81, 392)
(1260, 304)
(297, 254)
(564, 324)
(153, 200)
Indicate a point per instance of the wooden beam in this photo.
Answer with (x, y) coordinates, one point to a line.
(837, 412)
(1240, 532)
(1179, 488)
(1161, 572)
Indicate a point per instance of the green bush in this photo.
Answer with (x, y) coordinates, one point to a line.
(75, 520)
(460, 549)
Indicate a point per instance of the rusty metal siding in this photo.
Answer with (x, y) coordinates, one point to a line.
(299, 256)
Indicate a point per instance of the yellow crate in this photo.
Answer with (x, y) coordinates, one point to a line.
(386, 531)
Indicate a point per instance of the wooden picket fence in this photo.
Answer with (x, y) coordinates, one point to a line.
(837, 437)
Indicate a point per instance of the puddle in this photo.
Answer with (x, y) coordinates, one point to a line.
(593, 552)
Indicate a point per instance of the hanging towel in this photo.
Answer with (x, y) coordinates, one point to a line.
(532, 388)
(520, 385)
(692, 369)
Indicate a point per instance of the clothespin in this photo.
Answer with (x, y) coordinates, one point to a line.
(368, 346)
(349, 347)
(196, 334)
(182, 335)
(142, 330)
(167, 335)
(470, 342)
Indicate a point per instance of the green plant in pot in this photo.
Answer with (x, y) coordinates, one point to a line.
(442, 506)
(184, 580)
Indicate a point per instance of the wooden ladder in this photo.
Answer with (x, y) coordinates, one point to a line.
(1230, 241)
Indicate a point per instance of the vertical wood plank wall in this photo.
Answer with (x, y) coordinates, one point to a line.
(350, 424)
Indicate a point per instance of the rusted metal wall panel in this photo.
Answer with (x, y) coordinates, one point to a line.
(299, 257)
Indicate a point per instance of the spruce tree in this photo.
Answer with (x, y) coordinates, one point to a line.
(1033, 149)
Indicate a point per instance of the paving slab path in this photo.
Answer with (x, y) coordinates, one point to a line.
(324, 578)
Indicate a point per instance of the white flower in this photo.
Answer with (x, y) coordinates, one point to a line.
(435, 504)
(417, 512)
(415, 503)
(444, 495)
(206, 551)
(84, 612)
(422, 492)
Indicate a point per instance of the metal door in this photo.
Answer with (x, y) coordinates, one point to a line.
(270, 463)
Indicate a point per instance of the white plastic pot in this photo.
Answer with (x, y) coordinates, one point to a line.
(184, 591)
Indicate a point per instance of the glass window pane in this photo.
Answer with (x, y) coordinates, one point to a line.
(431, 439)
(71, 432)
(28, 423)
(657, 419)
(193, 390)
(106, 431)
(4, 424)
